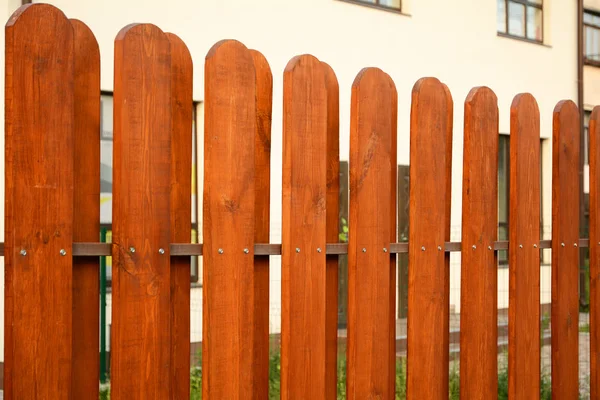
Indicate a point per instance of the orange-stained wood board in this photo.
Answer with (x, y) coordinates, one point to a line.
(181, 213)
(303, 264)
(565, 253)
(141, 302)
(39, 137)
(594, 130)
(262, 162)
(86, 213)
(332, 222)
(523, 254)
(428, 275)
(479, 275)
(370, 294)
(230, 128)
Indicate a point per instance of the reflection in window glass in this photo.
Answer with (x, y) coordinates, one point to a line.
(534, 23)
(591, 37)
(516, 19)
(501, 21)
(390, 3)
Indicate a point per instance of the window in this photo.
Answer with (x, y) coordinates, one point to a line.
(106, 180)
(591, 37)
(385, 4)
(521, 18)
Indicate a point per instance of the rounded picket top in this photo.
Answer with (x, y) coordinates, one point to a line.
(229, 49)
(44, 15)
(136, 29)
(481, 96)
(428, 87)
(524, 103)
(330, 77)
(371, 76)
(566, 106)
(595, 114)
(302, 61)
(85, 41)
(180, 50)
(263, 69)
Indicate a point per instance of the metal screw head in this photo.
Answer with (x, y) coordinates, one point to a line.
(439, 248)
(318, 249)
(422, 248)
(297, 249)
(562, 245)
(535, 246)
(364, 250)
(520, 246)
(474, 247)
(23, 252)
(220, 251)
(574, 244)
(161, 251)
(132, 249)
(246, 251)
(385, 250)
(63, 252)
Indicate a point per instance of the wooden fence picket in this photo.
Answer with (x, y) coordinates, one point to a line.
(428, 295)
(181, 213)
(479, 275)
(141, 301)
(594, 132)
(39, 203)
(262, 176)
(229, 222)
(332, 232)
(303, 263)
(565, 252)
(86, 212)
(523, 251)
(371, 294)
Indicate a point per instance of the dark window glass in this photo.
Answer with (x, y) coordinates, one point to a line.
(521, 18)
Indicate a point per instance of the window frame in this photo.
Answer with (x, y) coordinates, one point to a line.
(525, 3)
(586, 60)
(376, 5)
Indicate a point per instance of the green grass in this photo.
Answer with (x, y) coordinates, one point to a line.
(275, 379)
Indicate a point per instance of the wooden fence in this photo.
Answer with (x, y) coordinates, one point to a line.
(52, 226)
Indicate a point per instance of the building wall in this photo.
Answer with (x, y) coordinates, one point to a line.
(455, 41)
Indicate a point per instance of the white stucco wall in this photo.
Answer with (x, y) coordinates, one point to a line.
(455, 41)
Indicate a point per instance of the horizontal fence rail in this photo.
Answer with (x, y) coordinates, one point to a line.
(88, 249)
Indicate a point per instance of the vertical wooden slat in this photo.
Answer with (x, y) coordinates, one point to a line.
(141, 323)
(229, 222)
(332, 233)
(39, 129)
(479, 275)
(524, 258)
(371, 295)
(594, 131)
(427, 373)
(86, 213)
(181, 213)
(262, 162)
(303, 284)
(565, 254)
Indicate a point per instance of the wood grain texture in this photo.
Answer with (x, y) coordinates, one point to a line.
(229, 222)
(141, 302)
(303, 284)
(181, 213)
(479, 275)
(565, 256)
(371, 297)
(524, 258)
(427, 367)
(332, 233)
(262, 162)
(594, 131)
(86, 213)
(39, 129)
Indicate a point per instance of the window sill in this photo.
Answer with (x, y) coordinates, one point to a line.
(591, 63)
(376, 6)
(522, 39)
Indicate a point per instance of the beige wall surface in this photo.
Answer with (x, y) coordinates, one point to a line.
(455, 41)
